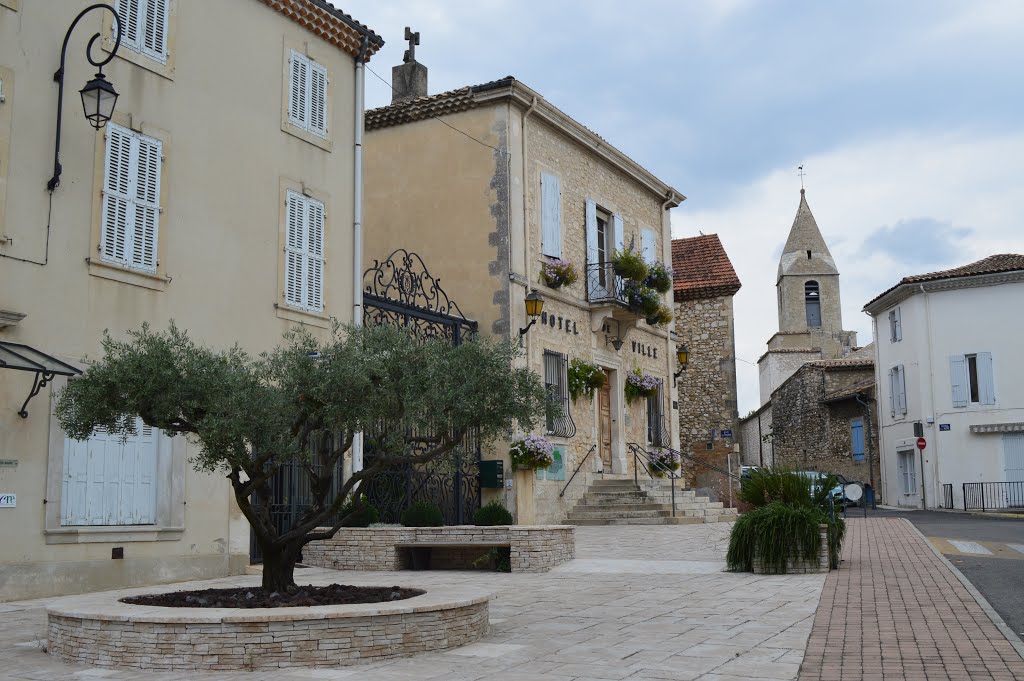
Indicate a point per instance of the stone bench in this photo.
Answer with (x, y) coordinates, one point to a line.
(454, 555)
(532, 548)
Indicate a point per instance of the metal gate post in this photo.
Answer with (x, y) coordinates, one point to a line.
(983, 509)
(673, 495)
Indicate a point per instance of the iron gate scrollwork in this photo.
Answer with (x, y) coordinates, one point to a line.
(401, 291)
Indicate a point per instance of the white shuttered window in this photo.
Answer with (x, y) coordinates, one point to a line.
(898, 391)
(551, 215)
(647, 245)
(304, 253)
(144, 23)
(131, 199)
(109, 480)
(307, 94)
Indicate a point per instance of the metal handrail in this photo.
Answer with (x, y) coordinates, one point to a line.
(695, 460)
(585, 457)
(986, 496)
(648, 461)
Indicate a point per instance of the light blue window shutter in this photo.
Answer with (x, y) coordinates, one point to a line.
(986, 380)
(118, 208)
(892, 326)
(901, 396)
(899, 325)
(958, 380)
(314, 288)
(647, 244)
(892, 391)
(551, 215)
(857, 439)
(618, 232)
(146, 222)
(593, 276)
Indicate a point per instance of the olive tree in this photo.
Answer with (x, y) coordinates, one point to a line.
(304, 402)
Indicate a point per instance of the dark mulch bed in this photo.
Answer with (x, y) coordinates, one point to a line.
(255, 597)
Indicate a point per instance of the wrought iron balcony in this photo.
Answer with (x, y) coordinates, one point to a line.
(604, 286)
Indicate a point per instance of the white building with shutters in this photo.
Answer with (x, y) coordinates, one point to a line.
(948, 358)
(222, 195)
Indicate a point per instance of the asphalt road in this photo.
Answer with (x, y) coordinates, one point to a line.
(999, 579)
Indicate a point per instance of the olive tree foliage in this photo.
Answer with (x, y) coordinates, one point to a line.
(304, 401)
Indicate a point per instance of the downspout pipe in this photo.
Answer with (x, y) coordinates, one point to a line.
(357, 220)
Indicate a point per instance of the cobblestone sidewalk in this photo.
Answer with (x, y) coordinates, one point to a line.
(896, 611)
(640, 603)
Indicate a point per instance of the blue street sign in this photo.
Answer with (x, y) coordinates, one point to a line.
(726, 433)
(944, 426)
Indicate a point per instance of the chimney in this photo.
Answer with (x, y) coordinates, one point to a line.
(409, 79)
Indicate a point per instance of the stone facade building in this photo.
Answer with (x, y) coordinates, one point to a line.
(520, 185)
(704, 283)
(823, 418)
(814, 384)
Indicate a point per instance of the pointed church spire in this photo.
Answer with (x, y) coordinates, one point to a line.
(805, 251)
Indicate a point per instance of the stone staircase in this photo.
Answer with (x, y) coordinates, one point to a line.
(623, 502)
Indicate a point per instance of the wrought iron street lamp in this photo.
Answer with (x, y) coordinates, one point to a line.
(534, 306)
(682, 358)
(98, 95)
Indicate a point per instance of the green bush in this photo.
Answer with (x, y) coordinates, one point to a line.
(767, 485)
(422, 514)
(659, 277)
(493, 514)
(777, 531)
(630, 264)
(361, 518)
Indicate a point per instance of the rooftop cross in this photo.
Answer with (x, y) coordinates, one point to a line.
(414, 40)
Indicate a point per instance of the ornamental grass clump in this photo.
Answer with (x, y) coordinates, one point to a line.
(532, 452)
(585, 378)
(788, 508)
(639, 384)
(558, 273)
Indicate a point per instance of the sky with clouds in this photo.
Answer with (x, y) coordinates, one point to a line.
(908, 117)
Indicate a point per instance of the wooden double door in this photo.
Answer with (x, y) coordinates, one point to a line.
(604, 424)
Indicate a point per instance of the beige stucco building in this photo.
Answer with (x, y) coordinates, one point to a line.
(221, 195)
(518, 183)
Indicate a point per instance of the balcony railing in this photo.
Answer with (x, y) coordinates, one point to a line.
(604, 286)
(987, 496)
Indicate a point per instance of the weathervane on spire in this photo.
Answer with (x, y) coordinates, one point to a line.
(800, 169)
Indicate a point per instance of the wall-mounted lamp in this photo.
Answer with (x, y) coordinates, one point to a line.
(534, 306)
(682, 358)
(98, 95)
(616, 340)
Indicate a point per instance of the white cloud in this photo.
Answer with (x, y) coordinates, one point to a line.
(966, 179)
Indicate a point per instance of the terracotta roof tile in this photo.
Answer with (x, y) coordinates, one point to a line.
(993, 264)
(701, 268)
(323, 19)
(845, 363)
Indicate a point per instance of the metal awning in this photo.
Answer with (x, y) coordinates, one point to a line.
(25, 358)
(998, 428)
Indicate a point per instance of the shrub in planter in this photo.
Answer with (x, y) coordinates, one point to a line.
(532, 452)
(629, 264)
(558, 273)
(422, 514)
(585, 378)
(659, 277)
(773, 487)
(639, 385)
(773, 535)
(361, 518)
(641, 299)
(493, 514)
(662, 461)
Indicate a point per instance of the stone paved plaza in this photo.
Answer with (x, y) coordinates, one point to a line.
(652, 603)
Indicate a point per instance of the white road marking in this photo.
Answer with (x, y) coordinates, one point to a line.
(970, 547)
(1019, 548)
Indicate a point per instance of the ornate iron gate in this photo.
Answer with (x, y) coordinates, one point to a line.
(400, 291)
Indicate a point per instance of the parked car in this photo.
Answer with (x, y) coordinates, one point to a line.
(838, 493)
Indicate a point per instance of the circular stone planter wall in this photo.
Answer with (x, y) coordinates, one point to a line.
(100, 630)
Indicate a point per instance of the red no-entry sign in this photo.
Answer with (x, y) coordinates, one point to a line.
(921, 444)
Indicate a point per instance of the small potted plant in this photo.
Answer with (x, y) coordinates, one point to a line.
(639, 384)
(532, 452)
(659, 317)
(662, 461)
(558, 273)
(659, 277)
(629, 264)
(585, 378)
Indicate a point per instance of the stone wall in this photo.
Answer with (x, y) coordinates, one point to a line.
(706, 390)
(755, 450)
(106, 633)
(811, 434)
(533, 548)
